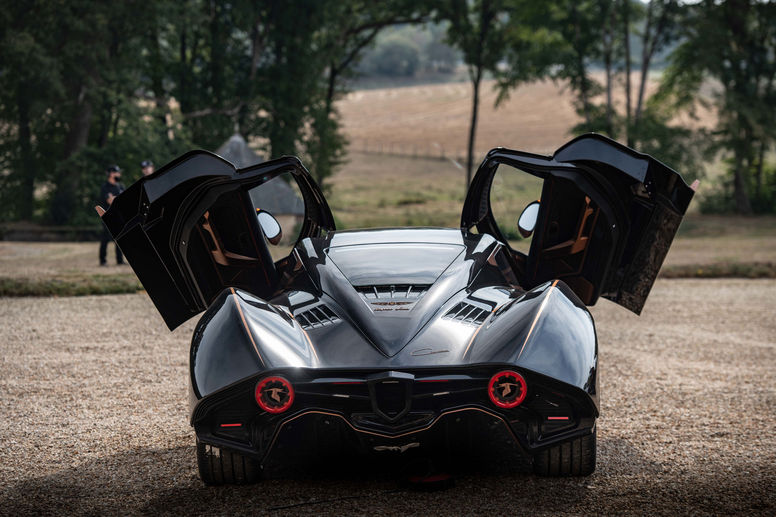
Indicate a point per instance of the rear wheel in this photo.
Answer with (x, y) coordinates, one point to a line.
(221, 466)
(571, 458)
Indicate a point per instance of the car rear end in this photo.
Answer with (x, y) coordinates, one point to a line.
(295, 412)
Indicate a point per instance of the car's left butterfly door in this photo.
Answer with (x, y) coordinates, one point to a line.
(191, 229)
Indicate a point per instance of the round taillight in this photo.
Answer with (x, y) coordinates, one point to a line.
(507, 389)
(274, 394)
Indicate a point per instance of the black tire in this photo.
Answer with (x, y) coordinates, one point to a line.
(572, 458)
(221, 466)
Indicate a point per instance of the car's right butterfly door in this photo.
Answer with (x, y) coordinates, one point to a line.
(607, 216)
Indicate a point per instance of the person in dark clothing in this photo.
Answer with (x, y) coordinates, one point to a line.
(147, 167)
(110, 189)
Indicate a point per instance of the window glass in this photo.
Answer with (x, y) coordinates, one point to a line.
(511, 192)
(281, 198)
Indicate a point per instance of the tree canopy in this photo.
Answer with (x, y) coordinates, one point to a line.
(84, 84)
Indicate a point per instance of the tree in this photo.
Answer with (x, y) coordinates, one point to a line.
(438, 55)
(580, 24)
(397, 57)
(561, 40)
(72, 102)
(346, 31)
(734, 44)
(477, 29)
(626, 26)
(83, 85)
(662, 26)
(568, 37)
(69, 65)
(28, 66)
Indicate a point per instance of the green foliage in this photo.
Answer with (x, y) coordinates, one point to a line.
(346, 30)
(85, 84)
(326, 145)
(410, 50)
(720, 198)
(682, 148)
(395, 57)
(476, 28)
(68, 102)
(438, 56)
(567, 38)
(732, 43)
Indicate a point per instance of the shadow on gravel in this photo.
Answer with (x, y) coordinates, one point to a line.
(164, 481)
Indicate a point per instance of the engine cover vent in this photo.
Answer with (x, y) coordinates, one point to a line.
(316, 317)
(392, 298)
(468, 313)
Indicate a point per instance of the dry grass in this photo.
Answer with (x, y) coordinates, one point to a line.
(382, 191)
(42, 259)
(94, 396)
(706, 246)
(537, 117)
(704, 240)
(73, 284)
(433, 117)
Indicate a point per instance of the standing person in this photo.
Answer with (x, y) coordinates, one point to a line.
(147, 166)
(110, 189)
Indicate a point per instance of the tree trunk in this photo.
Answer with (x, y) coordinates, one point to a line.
(608, 45)
(106, 119)
(217, 55)
(609, 107)
(78, 135)
(322, 128)
(642, 90)
(581, 72)
(740, 194)
(584, 88)
(476, 79)
(647, 42)
(182, 76)
(759, 174)
(26, 165)
(64, 202)
(626, 41)
(157, 79)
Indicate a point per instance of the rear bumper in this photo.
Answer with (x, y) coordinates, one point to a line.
(379, 411)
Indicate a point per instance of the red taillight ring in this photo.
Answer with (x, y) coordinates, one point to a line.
(507, 389)
(274, 394)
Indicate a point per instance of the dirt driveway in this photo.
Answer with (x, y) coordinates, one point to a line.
(94, 419)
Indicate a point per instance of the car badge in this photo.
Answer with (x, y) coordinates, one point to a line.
(507, 389)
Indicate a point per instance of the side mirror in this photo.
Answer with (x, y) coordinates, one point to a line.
(527, 221)
(270, 226)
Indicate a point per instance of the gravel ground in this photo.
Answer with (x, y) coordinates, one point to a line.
(94, 418)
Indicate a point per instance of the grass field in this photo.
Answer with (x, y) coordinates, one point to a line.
(430, 119)
(383, 191)
(705, 247)
(386, 183)
(378, 191)
(537, 118)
